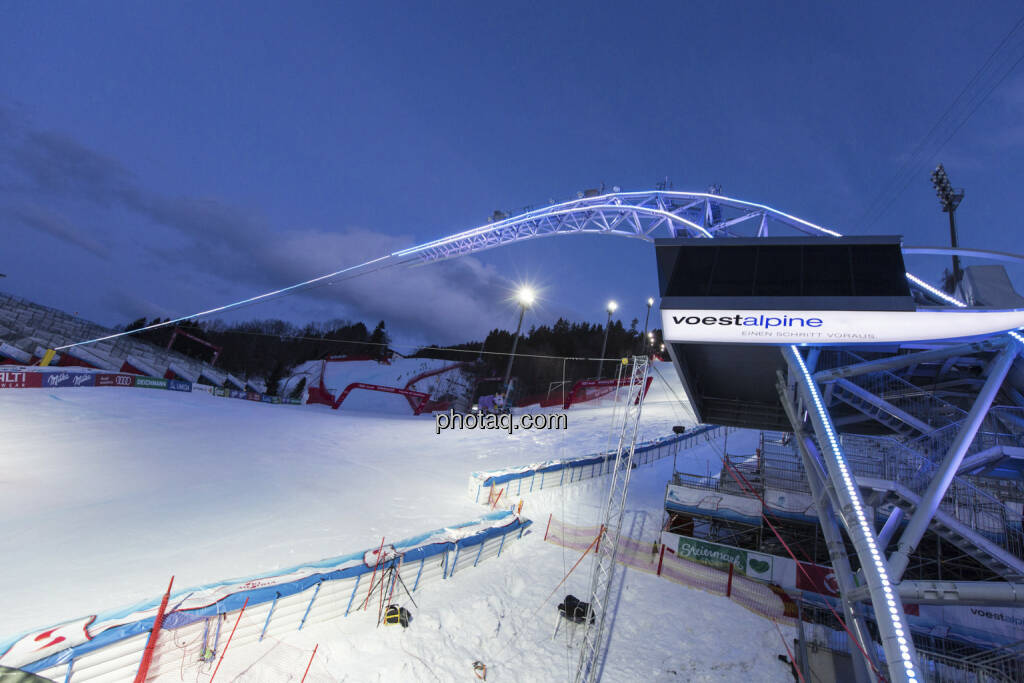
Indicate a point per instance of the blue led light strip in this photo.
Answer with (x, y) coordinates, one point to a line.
(895, 614)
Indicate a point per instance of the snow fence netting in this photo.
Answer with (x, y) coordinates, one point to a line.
(109, 646)
(655, 558)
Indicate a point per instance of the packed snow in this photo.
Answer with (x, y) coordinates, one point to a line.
(106, 492)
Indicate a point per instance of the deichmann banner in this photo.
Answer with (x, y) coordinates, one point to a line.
(833, 327)
(151, 382)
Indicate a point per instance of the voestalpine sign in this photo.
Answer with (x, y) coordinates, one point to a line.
(833, 327)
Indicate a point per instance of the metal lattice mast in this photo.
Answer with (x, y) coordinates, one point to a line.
(614, 507)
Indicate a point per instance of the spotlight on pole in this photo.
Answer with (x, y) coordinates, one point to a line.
(525, 295)
(950, 199)
(611, 308)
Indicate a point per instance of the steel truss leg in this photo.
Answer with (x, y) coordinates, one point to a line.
(943, 477)
(592, 644)
(900, 654)
(834, 540)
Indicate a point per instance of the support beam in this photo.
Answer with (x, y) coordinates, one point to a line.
(900, 654)
(833, 536)
(883, 405)
(919, 521)
(890, 527)
(957, 592)
(905, 360)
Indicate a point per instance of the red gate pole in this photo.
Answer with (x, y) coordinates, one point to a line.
(728, 586)
(373, 576)
(310, 663)
(228, 644)
(548, 527)
(661, 558)
(147, 655)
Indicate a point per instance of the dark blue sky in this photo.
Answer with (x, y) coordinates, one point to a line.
(162, 158)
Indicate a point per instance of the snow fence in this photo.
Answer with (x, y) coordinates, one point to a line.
(484, 486)
(109, 647)
(657, 558)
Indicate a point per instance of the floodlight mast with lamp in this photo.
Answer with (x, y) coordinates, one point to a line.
(949, 199)
(525, 296)
(611, 308)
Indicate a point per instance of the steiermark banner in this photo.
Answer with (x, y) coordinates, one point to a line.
(712, 554)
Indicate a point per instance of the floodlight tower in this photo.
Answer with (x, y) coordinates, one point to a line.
(612, 307)
(650, 303)
(949, 199)
(525, 296)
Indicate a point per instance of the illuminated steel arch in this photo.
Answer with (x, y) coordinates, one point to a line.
(640, 215)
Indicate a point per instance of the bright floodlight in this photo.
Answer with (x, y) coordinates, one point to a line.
(612, 306)
(526, 296)
(650, 301)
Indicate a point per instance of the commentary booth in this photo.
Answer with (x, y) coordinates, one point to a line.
(729, 304)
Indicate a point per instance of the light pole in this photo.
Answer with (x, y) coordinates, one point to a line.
(950, 199)
(612, 307)
(650, 302)
(525, 297)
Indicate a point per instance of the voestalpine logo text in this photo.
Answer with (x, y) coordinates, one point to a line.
(738, 320)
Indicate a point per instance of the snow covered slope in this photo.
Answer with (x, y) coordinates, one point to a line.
(127, 486)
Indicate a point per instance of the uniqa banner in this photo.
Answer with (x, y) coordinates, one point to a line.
(833, 327)
(711, 554)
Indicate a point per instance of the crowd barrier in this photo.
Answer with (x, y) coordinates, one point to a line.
(110, 646)
(660, 559)
(225, 392)
(553, 473)
(37, 379)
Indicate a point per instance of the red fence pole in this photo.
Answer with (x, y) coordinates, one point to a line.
(228, 644)
(373, 576)
(548, 527)
(728, 586)
(661, 558)
(147, 655)
(310, 663)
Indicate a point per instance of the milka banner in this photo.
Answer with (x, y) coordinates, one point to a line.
(833, 327)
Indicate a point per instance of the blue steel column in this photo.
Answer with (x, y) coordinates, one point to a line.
(940, 482)
(896, 642)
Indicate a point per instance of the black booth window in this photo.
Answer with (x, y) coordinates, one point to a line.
(785, 270)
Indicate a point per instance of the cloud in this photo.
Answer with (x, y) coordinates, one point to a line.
(55, 225)
(447, 301)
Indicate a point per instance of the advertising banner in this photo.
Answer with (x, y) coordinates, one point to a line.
(68, 379)
(20, 380)
(712, 554)
(832, 327)
(817, 579)
(179, 385)
(151, 382)
(104, 380)
(760, 566)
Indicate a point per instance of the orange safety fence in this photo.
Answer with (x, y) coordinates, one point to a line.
(652, 557)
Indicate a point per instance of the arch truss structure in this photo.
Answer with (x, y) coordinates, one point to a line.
(640, 215)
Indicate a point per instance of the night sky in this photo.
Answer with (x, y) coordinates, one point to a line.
(163, 158)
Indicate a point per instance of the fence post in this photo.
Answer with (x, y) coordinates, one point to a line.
(419, 573)
(661, 558)
(71, 663)
(316, 592)
(548, 527)
(353, 596)
(533, 479)
(455, 562)
(479, 552)
(228, 644)
(728, 586)
(502, 545)
(541, 479)
(269, 614)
